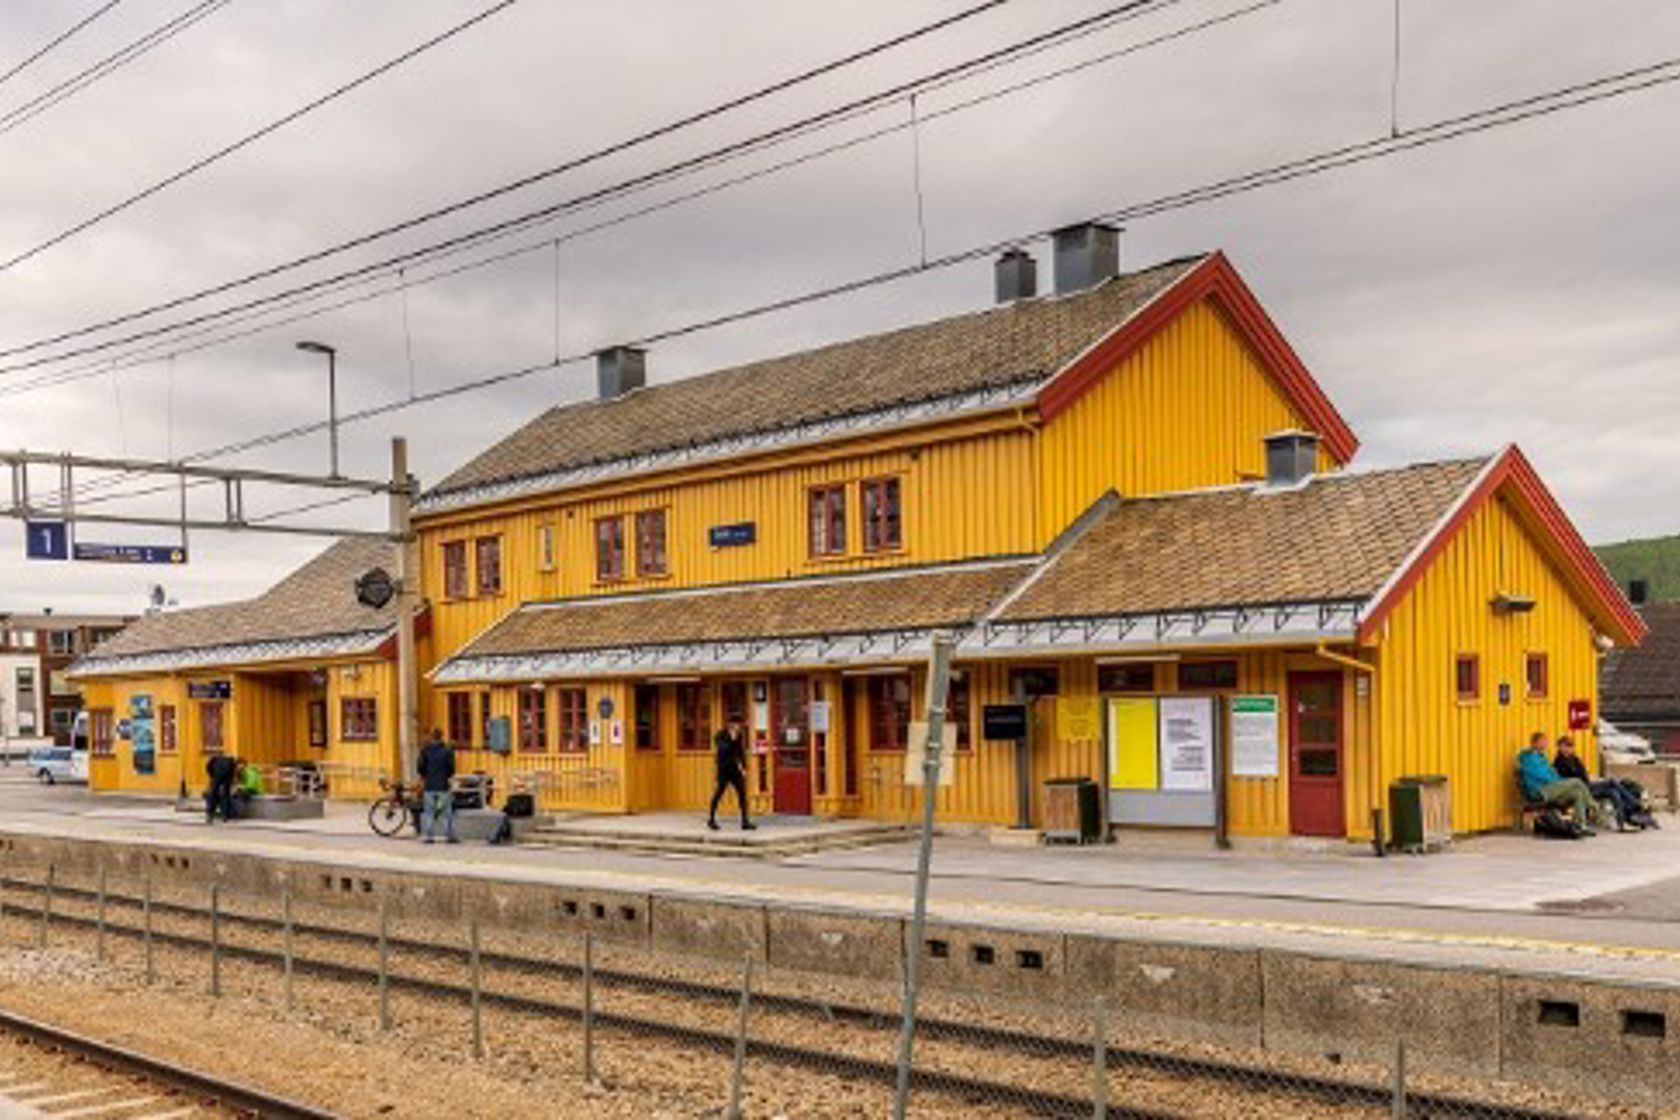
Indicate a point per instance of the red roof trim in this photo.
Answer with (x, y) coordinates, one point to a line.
(1217, 280)
(422, 627)
(1512, 469)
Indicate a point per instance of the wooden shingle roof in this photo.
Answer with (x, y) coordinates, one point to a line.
(1340, 537)
(317, 600)
(869, 602)
(1643, 682)
(998, 347)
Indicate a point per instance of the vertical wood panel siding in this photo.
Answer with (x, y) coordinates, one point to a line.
(1423, 727)
(1187, 410)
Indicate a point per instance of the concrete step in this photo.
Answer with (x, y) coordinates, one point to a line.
(736, 844)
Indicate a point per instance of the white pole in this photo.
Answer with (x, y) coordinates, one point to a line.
(408, 588)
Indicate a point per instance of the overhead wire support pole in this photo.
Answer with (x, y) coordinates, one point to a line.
(407, 581)
(938, 686)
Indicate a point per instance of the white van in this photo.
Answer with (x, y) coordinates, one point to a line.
(52, 765)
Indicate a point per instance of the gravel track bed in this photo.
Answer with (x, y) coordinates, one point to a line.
(41, 1077)
(665, 992)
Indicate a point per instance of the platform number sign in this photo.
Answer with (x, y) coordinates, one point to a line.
(46, 540)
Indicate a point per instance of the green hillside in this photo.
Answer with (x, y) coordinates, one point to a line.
(1657, 561)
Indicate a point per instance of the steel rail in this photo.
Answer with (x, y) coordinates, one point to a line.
(234, 1095)
(1233, 1073)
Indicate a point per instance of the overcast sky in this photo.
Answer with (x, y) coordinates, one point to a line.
(1520, 285)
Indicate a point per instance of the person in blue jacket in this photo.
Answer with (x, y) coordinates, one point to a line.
(1542, 783)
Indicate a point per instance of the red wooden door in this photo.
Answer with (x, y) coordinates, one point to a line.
(790, 739)
(1316, 755)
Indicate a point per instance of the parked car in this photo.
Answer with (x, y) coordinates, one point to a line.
(59, 764)
(1623, 746)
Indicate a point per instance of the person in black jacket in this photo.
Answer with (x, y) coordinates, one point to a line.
(1630, 808)
(437, 767)
(730, 746)
(221, 770)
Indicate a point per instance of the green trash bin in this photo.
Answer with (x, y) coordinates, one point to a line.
(1419, 813)
(1072, 811)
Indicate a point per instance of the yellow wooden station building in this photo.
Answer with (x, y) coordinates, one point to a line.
(1128, 501)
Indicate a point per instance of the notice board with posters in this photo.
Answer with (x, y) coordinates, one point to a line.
(1163, 752)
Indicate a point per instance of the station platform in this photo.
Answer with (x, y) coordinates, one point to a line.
(1607, 908)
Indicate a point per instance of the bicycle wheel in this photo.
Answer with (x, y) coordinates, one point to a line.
(387, 816)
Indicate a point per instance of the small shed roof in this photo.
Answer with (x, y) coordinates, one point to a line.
(1643, 682)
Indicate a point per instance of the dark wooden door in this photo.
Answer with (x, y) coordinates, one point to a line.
(790, 739)
(1317, 759)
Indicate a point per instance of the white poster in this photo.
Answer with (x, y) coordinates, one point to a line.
(1254, 736)
(1187, 743)
(819, 717)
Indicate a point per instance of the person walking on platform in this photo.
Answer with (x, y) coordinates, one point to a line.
(219, 797)
(730, 746)
(437, 768)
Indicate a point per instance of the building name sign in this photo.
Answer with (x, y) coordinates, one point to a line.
(210, 690)
(733, 536)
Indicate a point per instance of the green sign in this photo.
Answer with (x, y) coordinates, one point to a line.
(1254, 736)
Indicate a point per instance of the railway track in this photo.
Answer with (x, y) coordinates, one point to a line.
(1001, 1040)
(64, 1072)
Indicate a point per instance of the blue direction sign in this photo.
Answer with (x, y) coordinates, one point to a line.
(733, 536)
(131, 553)
(46, 540)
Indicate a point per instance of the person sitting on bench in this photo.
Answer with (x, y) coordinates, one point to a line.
(1543, 785)
(1630, 809)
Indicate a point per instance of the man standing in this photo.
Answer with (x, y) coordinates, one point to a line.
(219, 797)
(437, 767)
(730, 746)
(1540, 782)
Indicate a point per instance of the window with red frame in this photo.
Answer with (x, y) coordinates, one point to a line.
(827, 506)
(167, 737)
(101, 733)
(1537, 672)
(533, 720)
(210, 734)
(484, 719)
(318, 735)
(358, 719)
(460, 719)
(646, 716)
(455, 570)
(1206, 676)
(734, 702)
(651, 559)
(883, 528)
(889, 712)
(488, 561)
(958, 711)
(574, 720)
(694, 717)
(609, 549)
(1135, 677)
(1467, 676)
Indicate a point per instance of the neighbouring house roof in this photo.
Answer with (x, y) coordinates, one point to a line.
(1337, 538)
(311, 613)
(1643, 682)
(874, 615)
(1042, 352)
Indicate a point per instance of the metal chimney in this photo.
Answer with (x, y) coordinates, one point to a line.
(1639, 591)
(619, 369)
(1291, 457)
(1086, 255)
(1017, 276)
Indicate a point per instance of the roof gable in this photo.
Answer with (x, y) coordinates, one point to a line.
(1511, 474)
(1215, 280)
(1014, 344)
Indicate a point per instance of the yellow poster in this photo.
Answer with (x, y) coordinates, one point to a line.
(1076, 719)
(1134, 758)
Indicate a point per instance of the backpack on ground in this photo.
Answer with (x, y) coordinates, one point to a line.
(1552, 824)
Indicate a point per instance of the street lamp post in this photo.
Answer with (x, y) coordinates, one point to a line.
(332, 395)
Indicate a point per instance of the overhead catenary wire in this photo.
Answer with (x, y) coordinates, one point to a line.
(58, 41)
(254, 136)
(108, 65)
(145, 354)
(755, 142)
(1486, 119)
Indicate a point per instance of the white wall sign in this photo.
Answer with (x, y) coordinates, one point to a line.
(1254, 736)
(819, 717)
(1186, 743)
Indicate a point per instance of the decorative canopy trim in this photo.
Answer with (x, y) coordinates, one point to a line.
(363, 642)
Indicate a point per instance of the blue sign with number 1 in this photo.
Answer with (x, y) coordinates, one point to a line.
(46, 540)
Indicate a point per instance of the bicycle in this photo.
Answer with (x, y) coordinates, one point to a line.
(396, 805)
